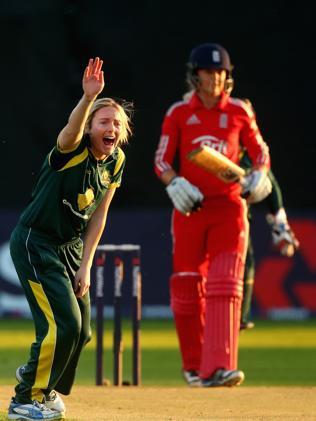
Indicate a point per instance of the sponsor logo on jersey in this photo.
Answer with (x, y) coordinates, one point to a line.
(214, 142)
(193, 120)
(85, 200)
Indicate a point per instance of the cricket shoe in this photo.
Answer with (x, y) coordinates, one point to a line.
(192, 378)
(32, 411)
(51, 400)
(224, 378)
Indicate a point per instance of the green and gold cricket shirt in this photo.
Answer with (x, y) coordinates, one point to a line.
(69, 188)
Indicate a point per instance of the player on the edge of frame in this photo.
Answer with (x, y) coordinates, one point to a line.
(209, 246)
(283, 238)
(54, 242)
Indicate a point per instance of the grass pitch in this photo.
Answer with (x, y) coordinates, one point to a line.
(251, 403)
(272, 354)
(277, 357)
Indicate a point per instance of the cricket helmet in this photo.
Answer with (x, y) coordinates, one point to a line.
(209, 56)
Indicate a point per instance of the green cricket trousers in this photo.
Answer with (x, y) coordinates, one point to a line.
(249, 277)
(62, 321)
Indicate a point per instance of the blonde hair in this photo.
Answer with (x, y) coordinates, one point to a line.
(188, 95)
(125, 110)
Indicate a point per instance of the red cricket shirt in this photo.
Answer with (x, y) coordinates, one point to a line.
(188, 124)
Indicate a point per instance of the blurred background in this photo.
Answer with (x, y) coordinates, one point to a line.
(44, 48)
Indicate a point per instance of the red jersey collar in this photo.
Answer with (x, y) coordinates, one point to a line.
(196, 103)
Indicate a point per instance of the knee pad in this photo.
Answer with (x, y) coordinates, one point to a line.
(187, 292)
(225, 276)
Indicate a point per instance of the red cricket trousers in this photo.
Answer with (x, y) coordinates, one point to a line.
(209, 249)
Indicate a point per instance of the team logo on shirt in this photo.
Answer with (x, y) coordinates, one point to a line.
(105, 178)
(214, 142)
(192, 120)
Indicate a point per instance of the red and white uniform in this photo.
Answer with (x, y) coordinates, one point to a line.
(210, 244)
(188, 125)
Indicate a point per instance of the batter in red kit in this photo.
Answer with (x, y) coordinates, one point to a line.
(209, 221)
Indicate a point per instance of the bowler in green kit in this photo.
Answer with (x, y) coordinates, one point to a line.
(53, 245)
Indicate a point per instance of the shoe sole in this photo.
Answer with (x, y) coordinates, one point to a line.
(234, 381)
(196, 383)
(230, 382)
(19, 379)
(192, 383)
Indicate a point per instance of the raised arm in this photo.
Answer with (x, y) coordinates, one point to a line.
(92, 85)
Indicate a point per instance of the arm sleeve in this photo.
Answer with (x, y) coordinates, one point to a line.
(245, 161)
(168, 144)
(275, 200)
(251, 137)
(59, 159)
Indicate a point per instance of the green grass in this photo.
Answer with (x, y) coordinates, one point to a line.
(274, 353)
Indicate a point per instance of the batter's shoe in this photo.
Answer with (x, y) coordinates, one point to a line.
(32, 411)
(51, 400)
(192, 378)
(224, 378)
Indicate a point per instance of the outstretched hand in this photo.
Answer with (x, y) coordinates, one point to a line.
(93, 78)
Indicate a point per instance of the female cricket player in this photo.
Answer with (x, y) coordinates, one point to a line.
(209, 245)
(53, 245)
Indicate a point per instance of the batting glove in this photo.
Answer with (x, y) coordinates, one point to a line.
(283, 238)
(185, 196)
(256, 186)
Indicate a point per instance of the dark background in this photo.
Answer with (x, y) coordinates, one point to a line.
(45, 45)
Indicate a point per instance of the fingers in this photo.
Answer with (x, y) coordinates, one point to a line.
(89, 68)
(101, 77)
(86, 72)
(99, 65)
(94, 67)
(81, 290)
(81, 286)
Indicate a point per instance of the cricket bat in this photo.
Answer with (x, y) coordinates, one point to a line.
(216, 163)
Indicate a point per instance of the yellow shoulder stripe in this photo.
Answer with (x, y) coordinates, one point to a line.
(120, 160)
(76, 160)
(47, 350)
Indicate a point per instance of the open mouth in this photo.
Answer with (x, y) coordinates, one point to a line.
(109, 141)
